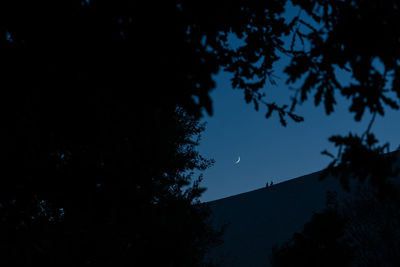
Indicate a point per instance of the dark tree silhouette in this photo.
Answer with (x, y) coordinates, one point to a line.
(322, 243)
(373, 225)
(89, 102)
(117, 198)
(126, 43)
(361, 231)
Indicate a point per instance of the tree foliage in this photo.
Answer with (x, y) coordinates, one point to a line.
(120, 197)
(363, 230)
(188, 41)
(322, 243)
(373, 226)
(90, 96)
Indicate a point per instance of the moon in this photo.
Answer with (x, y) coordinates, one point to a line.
(236, 162)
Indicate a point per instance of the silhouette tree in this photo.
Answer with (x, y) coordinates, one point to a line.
(362, 231)
(323, 242)
(373, 225)
(90, 100)
(126, 43)
(117, 198)
(100, 157)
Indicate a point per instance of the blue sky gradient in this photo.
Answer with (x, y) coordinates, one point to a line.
(269, 151)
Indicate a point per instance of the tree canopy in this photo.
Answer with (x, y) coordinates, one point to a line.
(362, 230)
(323, 242)
(90, 97)
(184, 42)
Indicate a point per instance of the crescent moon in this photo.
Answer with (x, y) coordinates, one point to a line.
(237, 160)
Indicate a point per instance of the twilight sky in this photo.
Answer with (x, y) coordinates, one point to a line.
(269, 151)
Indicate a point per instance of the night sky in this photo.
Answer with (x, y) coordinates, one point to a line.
(269, 151)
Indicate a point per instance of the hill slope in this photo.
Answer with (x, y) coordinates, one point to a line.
(261, 218)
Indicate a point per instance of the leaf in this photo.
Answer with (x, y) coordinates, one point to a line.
(371, 140)
(270, 110)
(247, 95)
(295, 117)
(255, 104)
(282, 120)
(326, 153)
